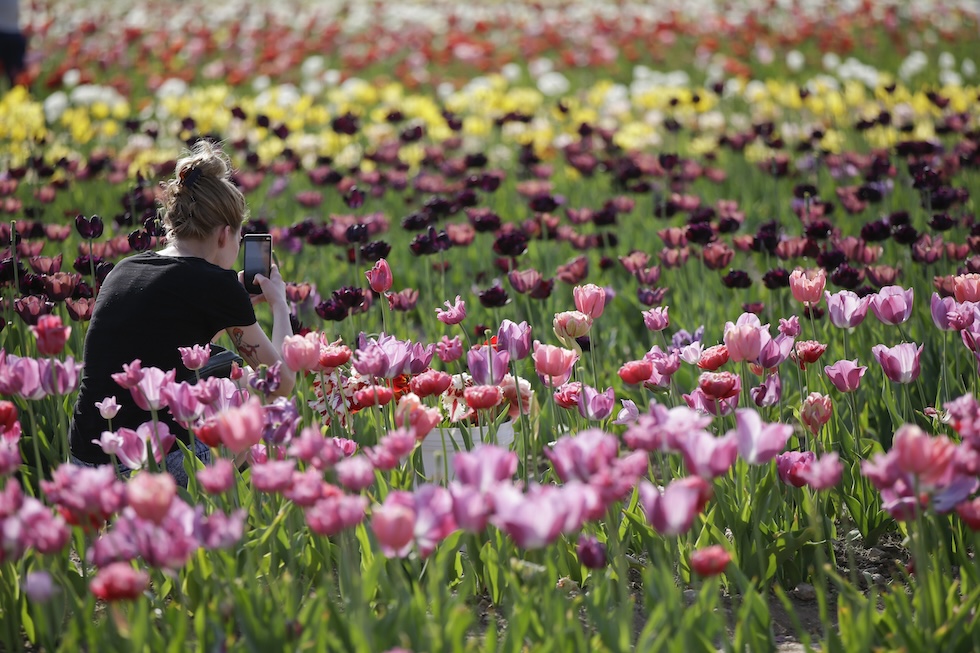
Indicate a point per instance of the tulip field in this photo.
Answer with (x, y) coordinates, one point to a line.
(627, 326)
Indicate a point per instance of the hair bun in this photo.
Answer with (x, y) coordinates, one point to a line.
(188, 176)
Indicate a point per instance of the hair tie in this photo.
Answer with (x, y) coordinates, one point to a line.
(188, 178)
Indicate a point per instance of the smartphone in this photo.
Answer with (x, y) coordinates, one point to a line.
(258, 260)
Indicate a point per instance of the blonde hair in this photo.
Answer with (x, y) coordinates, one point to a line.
(201, 197)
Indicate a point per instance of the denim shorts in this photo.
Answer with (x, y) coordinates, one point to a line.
(175, 462)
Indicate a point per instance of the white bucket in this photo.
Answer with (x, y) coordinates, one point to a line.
(439, 447)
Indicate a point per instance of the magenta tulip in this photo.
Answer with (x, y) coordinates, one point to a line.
(900, 363)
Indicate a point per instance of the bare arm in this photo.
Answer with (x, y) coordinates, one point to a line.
(252, 342)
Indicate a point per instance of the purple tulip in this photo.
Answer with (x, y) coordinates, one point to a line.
(671, 511)
(485, 466)
(845, 375)
(593, 405)
(768, 392)
(579, 457)
(846, 309)
(892, 305)
(759, 443)
(591, 552)
(487, 367)
(515, 339)
(900, 363)
(940, 308)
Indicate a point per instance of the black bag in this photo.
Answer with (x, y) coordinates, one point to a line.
(219, 364)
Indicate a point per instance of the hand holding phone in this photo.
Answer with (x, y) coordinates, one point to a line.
(258, 260)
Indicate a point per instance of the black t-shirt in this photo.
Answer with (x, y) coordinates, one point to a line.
(149, 306)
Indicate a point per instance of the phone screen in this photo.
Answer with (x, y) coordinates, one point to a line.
(258, 260)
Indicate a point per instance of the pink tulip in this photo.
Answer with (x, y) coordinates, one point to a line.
(534, 520)
(85, 495)
(150, 495)
(580, 456)
(636, 372)
(379, 277)
(434, 519)
(119, 582)
(791, 464)
(790, 327)
(710, 561)
(471, 508)
(807, 285)
(334, 513)
(759, 443)
(51, 335)
(195, 357)
(218, 477)
(130, 376)
(570, 325)
(708, 456)
(393, 524)
(448, 349)
(845, 309)
(355, 473)
(126, 445)
(892, 305)
(744, 342)
(273, 476)
(240, 428)
(823, 473)
(816, 411)
(159, 438)
(182, 400)
(701, 402)
(454, 314)
(656, 319)
(301, 353)
(930, 458)
(553, 364)
(485, 466)
(108, 407)
(845, 375)
(147, 392)
(966, 287)
(589, 299)
(720, 385)
(900, 363)
(672, 511)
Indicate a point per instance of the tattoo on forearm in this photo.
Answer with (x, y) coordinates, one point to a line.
(248, 351)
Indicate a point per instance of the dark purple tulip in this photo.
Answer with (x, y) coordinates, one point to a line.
(416, 221)
(32, 284)
(494, 296)
(84, 264)
(875, 231)
(349, 296)
(89, 227)
(31, 308)
(332, 310)
(354, 198)
(374, 251)
(543, 203)
(319, 235)
(356, 233)
(942, 222)
(140, 241)
(776, 278)
(437, 207)
(831, 259)
(818, 230)
(512, 244)
(542, 290)
(728, 225)
(897, 218)
(701, 233)
(736, 279)
(266, 381)
(591, 552)
(346, 124)
(650, 296)
(483, 219)
(813, 312)
(802, 191)
(846, 277)
(905, 234)
(60, 285)
(412, 134)
(83, 290)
